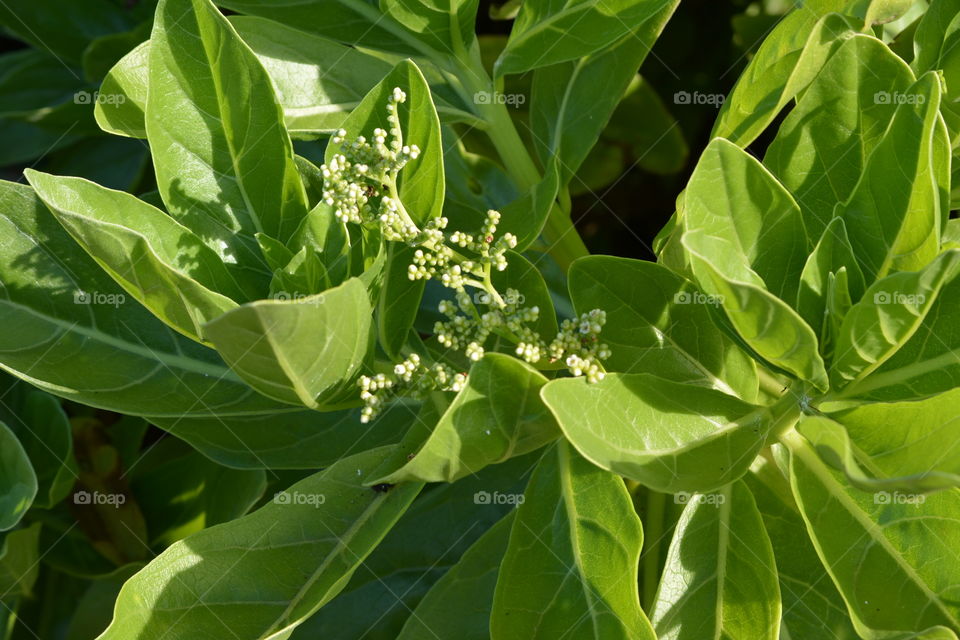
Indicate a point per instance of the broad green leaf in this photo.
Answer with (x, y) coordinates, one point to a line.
(428, 540)
(94, 608)
(881, 11)
(893, 214)
(181, 493)
(39, 88)
(475, 184)
(19, 563)
(892, 556)
(160, 263)
(421, 187)
(657, 322)
(788, 60)
(43, 429)
(101, 54)
(355, 22)
(224, 161)
(766, 323)
(524, 277)
(526, 216)
(812, 606)
(122, 358)
(929, 37)
(572, 102)
(833, 444)
(666, 435)
(18, 482)
(550, 31)
(65, 29)
(446, 26)
(399, 300)
(927, 363)
(121, 111)
(274, 252)
(831, 254)
(497, 416)
(916, 438)
(888, 316)
(327, 236)
(303, 351)
(720, 577)
(318, 81)
(951, 235)
(281, 436)
(262, 575)
(747, 245)
(742, 221)
(823, 144)
(571, 563)
(459, 604)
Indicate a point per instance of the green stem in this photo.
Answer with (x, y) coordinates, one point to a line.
(564, 243)
(653, 531)
(786, 412)
(770, 384)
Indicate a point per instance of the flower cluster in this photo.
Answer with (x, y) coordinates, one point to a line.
(360, 181)
(437, 259)
(360, 184)
(577, 343)
(411, 378)
(505, 317)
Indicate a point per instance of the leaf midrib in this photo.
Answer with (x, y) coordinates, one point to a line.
(815, 466)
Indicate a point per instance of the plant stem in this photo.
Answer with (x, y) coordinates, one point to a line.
(653, 531)
(564, 243)
(770, 384)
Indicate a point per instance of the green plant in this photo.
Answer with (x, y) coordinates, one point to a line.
(424, 411)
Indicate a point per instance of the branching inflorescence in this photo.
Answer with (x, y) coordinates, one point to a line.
(360, 184)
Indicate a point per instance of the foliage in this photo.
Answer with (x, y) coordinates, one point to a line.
(319, 351)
